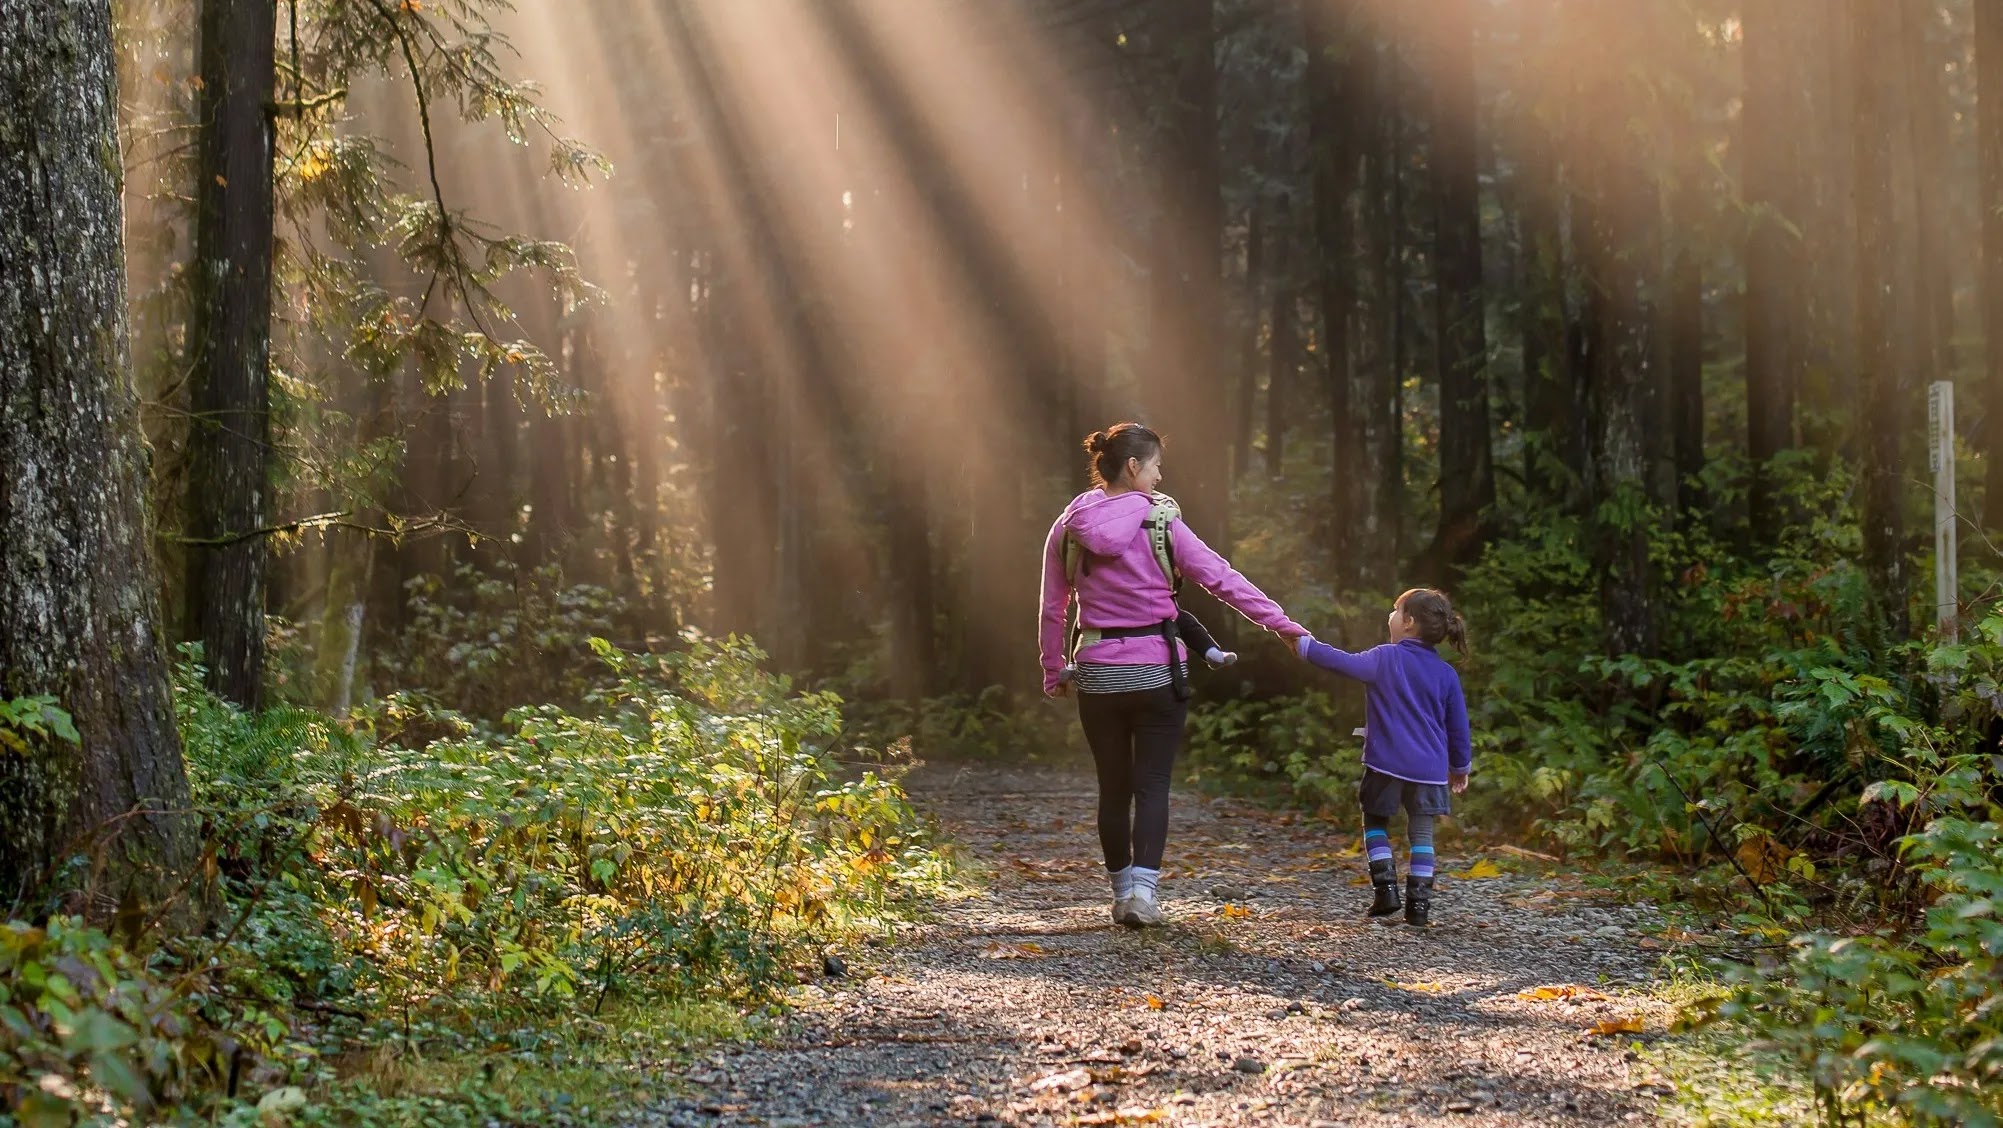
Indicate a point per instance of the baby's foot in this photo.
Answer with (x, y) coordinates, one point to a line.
(1218, 657)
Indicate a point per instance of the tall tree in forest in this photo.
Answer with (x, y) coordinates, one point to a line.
(1882, 422)
(1549, 410)
(1467, 471)
(1335, 40)
(1616, 211)
(79, 614)
(230, 345)
(1989, 160)
(1185, 381)
(1774, 181)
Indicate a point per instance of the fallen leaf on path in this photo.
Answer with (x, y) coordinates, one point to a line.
(1481, 869)
(1561, 991)
(1155, 1002)
(1069, 1081)
(1422, 988)
(1234, 912)
(1025, 951)
(1630, 1024)
(1134, 1114)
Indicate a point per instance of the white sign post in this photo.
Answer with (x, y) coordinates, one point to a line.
(1940, 456)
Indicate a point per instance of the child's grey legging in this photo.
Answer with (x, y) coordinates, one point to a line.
(1134, 738)
(1418, 828)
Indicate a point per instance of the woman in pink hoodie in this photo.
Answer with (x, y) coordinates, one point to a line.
(1127, 677)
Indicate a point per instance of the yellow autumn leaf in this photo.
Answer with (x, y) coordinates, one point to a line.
(1561, 991)
(1630, 1024)
(1234, 912)
(1481, 869)
(1763, 858)
(1155, 1002)
(314, 165)
(1428, 988)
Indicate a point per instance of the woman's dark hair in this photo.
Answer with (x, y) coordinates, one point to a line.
(1110, 449)
(1434, 613)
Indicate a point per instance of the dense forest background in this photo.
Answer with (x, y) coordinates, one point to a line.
(493, 360)
(802, 346)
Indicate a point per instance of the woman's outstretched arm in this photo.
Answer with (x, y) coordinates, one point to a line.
(1214, 574)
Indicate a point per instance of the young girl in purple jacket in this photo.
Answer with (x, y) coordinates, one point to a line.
(1127, 703)
(1416, 745)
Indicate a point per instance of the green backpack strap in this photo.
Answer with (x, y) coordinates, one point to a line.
(1162, 516)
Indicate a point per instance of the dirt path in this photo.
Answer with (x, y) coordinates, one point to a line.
(1268, 1000)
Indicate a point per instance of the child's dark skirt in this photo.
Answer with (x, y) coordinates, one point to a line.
(1382, 795)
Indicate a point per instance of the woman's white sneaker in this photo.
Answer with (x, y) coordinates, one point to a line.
(1142, 910)
(1123, 910)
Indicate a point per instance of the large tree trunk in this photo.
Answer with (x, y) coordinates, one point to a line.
(1989, 125)
(1551, 459)
(1884, 396)
(1334, 39)
(230, 346)
(1467, 472)
(1776, 276)
(1381, 511)
(79, 614)
(1617, 212)
(1186, 383)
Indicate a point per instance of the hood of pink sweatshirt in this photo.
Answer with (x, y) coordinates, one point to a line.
(1119, 584)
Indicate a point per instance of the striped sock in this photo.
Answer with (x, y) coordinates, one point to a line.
(1123, 882)
(1145, 881)
(1420, 829)
(1377, 844)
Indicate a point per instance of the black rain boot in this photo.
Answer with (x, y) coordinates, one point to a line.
(1418, 900)
(1384, 882)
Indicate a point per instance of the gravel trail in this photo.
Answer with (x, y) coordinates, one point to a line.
(1267, 1000)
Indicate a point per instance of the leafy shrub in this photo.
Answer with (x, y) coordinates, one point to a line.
(405, 879)
(1907, 1022)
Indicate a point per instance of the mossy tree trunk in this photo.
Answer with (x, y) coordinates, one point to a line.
(79, 617)
(230, 347)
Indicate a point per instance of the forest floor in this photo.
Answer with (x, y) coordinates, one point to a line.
(1269, 999)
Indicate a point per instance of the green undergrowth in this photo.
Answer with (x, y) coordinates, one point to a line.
(417, 918)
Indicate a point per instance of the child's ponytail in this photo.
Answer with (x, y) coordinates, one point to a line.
(1435, 615)
(1457, 632)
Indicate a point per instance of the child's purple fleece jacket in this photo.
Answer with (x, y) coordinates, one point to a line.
(1415, 718)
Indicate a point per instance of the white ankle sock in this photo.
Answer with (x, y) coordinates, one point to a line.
(1145, 882)
(1123, 883)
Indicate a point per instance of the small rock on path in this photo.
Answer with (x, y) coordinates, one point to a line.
(1267, 1000)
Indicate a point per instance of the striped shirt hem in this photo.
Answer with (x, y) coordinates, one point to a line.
(1095, 678)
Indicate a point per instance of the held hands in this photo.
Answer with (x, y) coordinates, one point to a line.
(1457, 781)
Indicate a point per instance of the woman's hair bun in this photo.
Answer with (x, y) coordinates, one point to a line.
(1096, 442)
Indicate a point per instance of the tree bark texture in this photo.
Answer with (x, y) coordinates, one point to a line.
(1617, 210)
(1467, 472)
(79, 613)
(1877, 375)
(230, 347)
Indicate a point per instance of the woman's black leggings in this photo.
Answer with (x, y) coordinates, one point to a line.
(1134, 739)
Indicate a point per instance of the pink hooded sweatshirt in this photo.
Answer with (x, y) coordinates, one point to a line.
(1120, 585)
